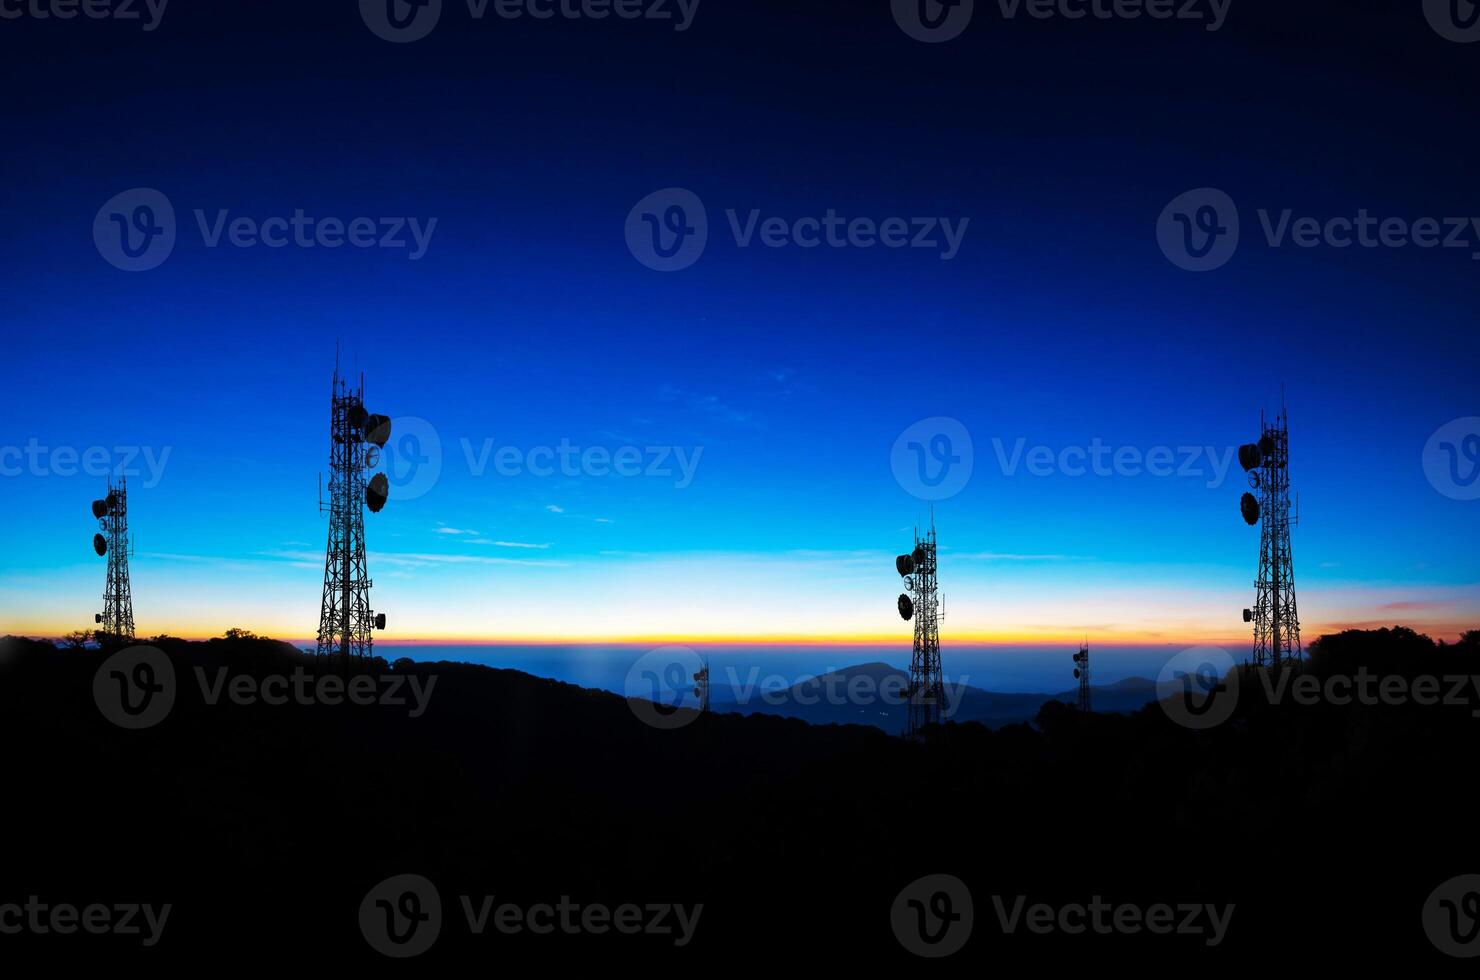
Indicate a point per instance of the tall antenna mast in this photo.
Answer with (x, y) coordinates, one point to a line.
(1081, 673)
(356, 438)
(1274, 616)
(116, 621)
(921, 601)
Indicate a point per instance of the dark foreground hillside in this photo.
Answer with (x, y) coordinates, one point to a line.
(1326, 826)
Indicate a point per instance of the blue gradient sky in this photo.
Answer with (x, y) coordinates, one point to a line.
(792, 372)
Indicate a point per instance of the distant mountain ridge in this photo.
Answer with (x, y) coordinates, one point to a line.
(872, 694)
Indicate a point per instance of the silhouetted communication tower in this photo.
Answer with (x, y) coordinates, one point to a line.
(926, 691)
(116, 621)
(701, 685)
(1276, 622)
(356, 439)
(1081, 673)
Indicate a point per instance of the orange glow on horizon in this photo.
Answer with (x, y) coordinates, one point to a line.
(1449, 631)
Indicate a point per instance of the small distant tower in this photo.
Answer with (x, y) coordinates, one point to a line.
(1081, 673)
(116, 621)
(701, 686)
(920, 601)
(1275, 618)
(356, 439)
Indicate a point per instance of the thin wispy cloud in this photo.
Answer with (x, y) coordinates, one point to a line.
(298, 559)
(555, 508)
(423, 560)
(710, 405)
(414, 559)
(1010, 556)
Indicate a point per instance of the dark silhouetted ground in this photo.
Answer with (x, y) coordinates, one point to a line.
(1327, 826)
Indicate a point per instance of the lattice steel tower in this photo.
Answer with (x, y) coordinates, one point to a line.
(116, 621)
(1275, 618)
(1081, 672)
(921, 601)
(356, 438)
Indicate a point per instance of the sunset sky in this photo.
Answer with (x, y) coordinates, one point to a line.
(781, 378)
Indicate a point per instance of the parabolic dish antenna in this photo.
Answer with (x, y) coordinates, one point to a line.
(1250, 508)
(377, 491)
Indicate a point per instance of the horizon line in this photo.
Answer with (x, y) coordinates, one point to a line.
(1445, 631)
